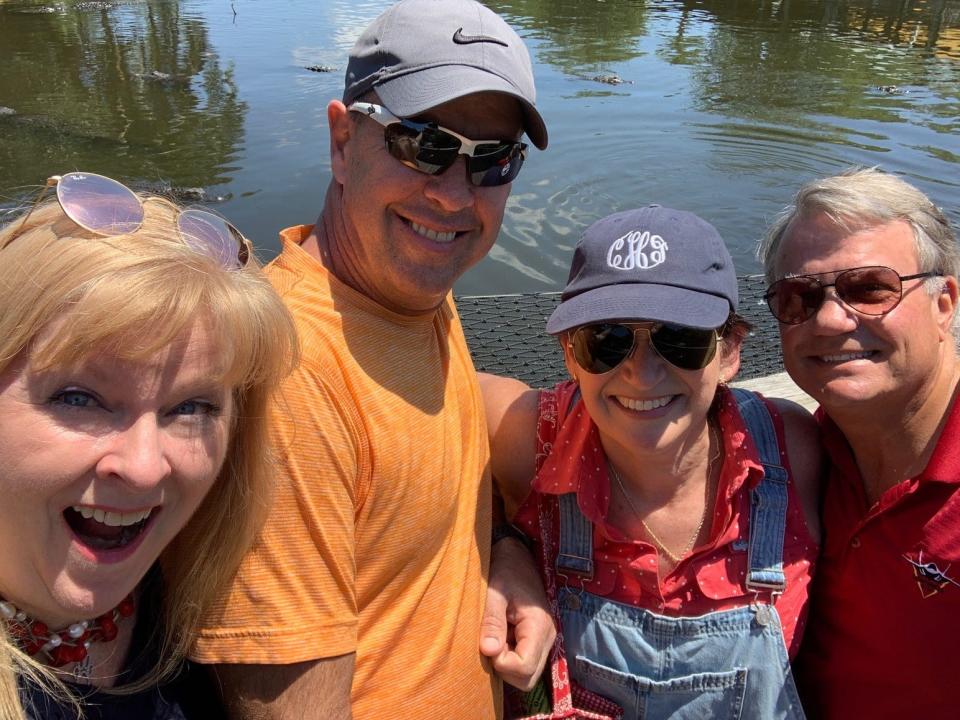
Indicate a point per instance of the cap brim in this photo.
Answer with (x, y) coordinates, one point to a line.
(632, 301)
(414, 93)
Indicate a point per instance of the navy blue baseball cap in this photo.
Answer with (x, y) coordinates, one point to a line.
(654, 263)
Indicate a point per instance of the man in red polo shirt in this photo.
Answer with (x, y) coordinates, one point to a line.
(864, 283)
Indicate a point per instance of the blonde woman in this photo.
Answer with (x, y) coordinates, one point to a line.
(139, 344)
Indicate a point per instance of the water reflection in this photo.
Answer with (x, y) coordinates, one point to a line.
(726, 106)
(722, 107)
(583, 39)
(131, 90)
(761, 74)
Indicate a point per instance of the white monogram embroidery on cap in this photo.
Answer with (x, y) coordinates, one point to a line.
(637, 250)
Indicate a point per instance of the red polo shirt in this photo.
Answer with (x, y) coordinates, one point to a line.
(712, 577)
(883, 639)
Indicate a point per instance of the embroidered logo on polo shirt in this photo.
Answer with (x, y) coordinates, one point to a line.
(930, 578)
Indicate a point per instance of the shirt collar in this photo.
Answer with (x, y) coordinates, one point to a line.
(576, 462)
(943, 466)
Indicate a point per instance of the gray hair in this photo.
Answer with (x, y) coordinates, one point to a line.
(861, 197)
(864, 197)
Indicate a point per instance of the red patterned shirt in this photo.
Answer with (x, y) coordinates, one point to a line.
(712, 577)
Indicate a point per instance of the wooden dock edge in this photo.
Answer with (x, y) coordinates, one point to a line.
(778, 385)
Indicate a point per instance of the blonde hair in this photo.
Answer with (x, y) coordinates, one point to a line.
(131, 295)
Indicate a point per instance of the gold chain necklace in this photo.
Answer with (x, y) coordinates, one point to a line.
(706, 506)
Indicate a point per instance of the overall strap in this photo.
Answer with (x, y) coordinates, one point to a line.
(575, 554)
(768, 500)
(561, 689)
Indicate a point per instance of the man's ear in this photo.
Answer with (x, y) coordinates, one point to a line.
(947, 305)
(730, 356)
(341, 129)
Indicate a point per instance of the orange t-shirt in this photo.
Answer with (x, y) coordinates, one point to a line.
(377, 541)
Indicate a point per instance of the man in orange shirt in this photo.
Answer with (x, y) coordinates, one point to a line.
(364, 594)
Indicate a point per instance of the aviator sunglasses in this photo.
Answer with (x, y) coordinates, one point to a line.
(601, 347)
(106, 207)
(432, 149)
(872, 290)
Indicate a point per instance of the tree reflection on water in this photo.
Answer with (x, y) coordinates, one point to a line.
(131, 90)
(725, 107)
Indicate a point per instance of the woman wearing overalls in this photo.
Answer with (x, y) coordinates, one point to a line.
(678, 516)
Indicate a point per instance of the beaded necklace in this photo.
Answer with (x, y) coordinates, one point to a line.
(61, 647)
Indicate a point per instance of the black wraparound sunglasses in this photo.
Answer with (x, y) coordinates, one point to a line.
(432, 149)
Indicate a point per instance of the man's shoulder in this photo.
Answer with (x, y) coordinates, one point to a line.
(293, 268)
(317, 302)
(944, 464)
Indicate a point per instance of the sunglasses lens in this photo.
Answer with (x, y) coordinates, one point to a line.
(870, 290)
(685, 347)
(494, 165)
(874, 290)
(99, 204)
(428, 150)
(210, 234)
(432, 150)
(794, 300)
(600, 348)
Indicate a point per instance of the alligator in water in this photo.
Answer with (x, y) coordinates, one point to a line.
(163, 78)
(186, 194)
(320, 68)
(612, 79)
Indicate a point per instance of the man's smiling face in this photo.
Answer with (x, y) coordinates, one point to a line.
(840, 356)
(410, 235)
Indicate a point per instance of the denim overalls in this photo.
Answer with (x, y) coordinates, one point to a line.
(726, 664)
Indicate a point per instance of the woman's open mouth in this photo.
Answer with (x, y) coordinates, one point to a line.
(101, 529)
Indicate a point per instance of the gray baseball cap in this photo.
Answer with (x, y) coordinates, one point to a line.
(421, 53)
(654, 263)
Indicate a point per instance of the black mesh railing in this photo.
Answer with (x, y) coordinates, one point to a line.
(507, 337)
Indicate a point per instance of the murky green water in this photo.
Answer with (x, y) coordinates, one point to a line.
(725, 107)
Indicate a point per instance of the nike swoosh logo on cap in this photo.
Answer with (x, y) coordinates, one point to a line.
(460, 39)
